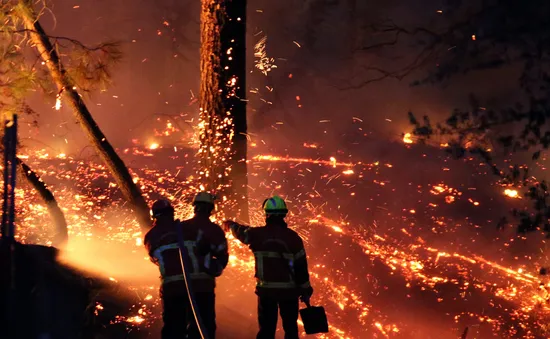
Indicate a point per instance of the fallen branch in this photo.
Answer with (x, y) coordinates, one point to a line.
(60, 223)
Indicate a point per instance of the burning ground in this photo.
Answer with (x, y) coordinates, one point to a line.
(400, 246)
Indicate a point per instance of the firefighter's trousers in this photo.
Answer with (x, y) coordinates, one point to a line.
(268, 308)
(178, 318)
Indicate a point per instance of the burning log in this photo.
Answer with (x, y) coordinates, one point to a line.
(65, 85)
(222, 98)
(61, 233)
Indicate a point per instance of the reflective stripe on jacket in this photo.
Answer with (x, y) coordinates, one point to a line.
(205, 245)
(280, 258)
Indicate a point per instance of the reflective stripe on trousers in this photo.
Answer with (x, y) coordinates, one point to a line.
(271, 284)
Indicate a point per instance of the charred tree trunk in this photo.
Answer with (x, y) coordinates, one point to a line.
(60, 223)
(66, 86)
(222, 102)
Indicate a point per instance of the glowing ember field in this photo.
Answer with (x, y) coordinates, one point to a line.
(400, 247)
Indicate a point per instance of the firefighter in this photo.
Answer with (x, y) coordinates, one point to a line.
(205, 247)
(282, 276)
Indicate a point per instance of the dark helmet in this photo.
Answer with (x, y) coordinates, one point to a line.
(204, 198)
(204, 203)
(161, 207)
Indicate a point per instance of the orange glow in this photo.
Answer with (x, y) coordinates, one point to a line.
(407, 253)
(58, 102)
(511, 193)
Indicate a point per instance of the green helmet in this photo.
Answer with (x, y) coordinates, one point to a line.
(275, 206)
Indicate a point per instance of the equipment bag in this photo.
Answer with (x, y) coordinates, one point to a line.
(314, 319)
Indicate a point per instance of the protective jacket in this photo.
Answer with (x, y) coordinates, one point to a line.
(280, 259)
(205, 245)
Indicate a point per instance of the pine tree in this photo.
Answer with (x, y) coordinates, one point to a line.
(17, 78)
(65, 84)
(488, 35)
(222, 100)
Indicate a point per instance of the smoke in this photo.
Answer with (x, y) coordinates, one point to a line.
(298, 102)
(120, 261)
(315, 45)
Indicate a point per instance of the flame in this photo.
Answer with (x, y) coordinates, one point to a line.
(511, 193)
(58, 102)
(407, 255)
(407, 138)
(135, 319)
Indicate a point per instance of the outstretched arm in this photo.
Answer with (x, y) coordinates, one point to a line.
(239, 231)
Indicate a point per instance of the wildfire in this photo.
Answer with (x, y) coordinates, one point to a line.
(407, 138)
(409, 255)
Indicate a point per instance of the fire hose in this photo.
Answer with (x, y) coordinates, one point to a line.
(184, 261)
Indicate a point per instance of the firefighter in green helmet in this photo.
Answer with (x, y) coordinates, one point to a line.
(282, 276)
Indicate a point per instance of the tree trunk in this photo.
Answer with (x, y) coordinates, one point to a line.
(222, 100)
(60, 223)
(65, 85)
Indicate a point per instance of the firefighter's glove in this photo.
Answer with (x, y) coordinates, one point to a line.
(305, 294)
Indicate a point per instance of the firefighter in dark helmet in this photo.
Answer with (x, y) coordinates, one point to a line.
(282, 276)
(206, 247)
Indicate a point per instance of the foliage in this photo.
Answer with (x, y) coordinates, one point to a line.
(91, 67)
(496, 34)
(21, 71)
(16, 75)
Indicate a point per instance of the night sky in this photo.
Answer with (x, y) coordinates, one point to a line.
(159, 72)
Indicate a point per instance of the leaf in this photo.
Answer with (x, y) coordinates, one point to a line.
(412, 119)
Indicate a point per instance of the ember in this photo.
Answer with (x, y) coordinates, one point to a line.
(511, 193)
(405, 251)
(407, 138)
(402, 239)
